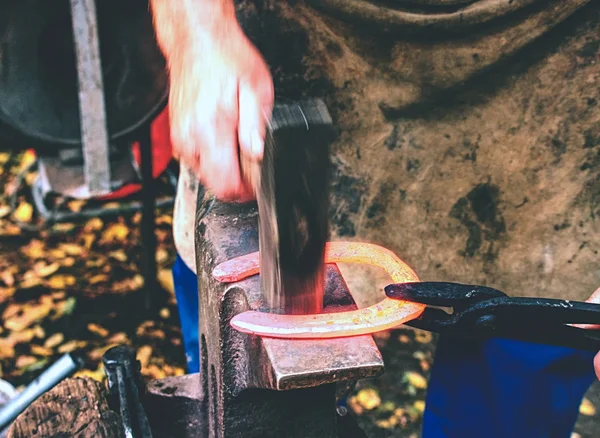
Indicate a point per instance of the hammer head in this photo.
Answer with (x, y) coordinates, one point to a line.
(292, 191)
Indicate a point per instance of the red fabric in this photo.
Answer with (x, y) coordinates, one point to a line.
(160, 137)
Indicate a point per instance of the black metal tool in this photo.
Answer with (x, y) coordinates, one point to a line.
(291, 185)
(126, 390)
(483, 312)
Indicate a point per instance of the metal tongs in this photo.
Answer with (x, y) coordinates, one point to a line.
(483, 312)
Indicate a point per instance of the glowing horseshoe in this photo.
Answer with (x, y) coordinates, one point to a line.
(389, 313)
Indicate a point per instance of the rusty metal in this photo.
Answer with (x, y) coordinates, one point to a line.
(250, 386)
(272, 387)
(94, 134)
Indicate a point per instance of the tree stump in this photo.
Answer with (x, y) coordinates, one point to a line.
(74, 408)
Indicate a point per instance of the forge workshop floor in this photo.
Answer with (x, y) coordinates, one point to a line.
(77, 288)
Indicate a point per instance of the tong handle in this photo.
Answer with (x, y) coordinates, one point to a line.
(483, 312)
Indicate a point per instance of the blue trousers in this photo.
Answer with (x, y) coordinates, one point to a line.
(490, 389)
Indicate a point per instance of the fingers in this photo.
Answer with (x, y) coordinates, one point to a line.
(597, 365)
(255, 98)
(219, 161)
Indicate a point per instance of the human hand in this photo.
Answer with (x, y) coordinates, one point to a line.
(221, 97)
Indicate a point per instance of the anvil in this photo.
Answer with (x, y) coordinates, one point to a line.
(251, 386)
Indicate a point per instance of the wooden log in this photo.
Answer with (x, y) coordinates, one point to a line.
(76, 408)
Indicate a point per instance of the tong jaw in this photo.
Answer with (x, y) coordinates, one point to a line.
(459, 297)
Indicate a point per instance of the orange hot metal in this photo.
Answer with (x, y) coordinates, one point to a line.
(386, 314)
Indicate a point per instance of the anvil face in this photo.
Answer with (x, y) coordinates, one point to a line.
(227, 231)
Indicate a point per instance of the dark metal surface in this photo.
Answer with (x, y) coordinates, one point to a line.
(92, 111)
(175, 407)
(126, 390)
(38, 81)
(293, 204)
(480, 311)
(148, 233)
(261, 387)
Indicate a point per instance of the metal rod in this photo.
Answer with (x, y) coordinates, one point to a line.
(92, 111)
(148, 219)
(60, 370)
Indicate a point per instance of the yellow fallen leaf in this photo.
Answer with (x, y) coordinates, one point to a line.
(98, 329)
(38, 350)
(355, 406)
(4, 157)
(88, 240)
(118, 255)
(7, 350)
(76, 205)
(161, 255)
(54, 340)
(165, 219)
(24, 212)
(398, 413)
(33, 314)
(61, 281)
(27, 159)
(25, 361)
(389, 423)
(165, 279)
(57, 296)
(72, 249)
(98, 279)
(71, 346)
(4, 210)
(116, 232)
(94, 224)
(419, 355)
(419, 406)
(403, 339)
(7, 278)
(416, 380)
(6, 293)
(388, 406)
(96, 263)
(64, 308)
(165, 313)
(67, 262)
(39, 332)
(97, 375)
(44, 270)
(368, 398)
(97, 353)
(35, 249)
(29, 283)
(63, 227)
(12, 310)
(119, 338)
(587, 408)
(57, 254)
(423, 337)
(154, 372)
(144, 354)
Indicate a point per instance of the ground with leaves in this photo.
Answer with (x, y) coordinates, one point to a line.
(77, 288)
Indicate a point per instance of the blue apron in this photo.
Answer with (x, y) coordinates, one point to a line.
(492, 389)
